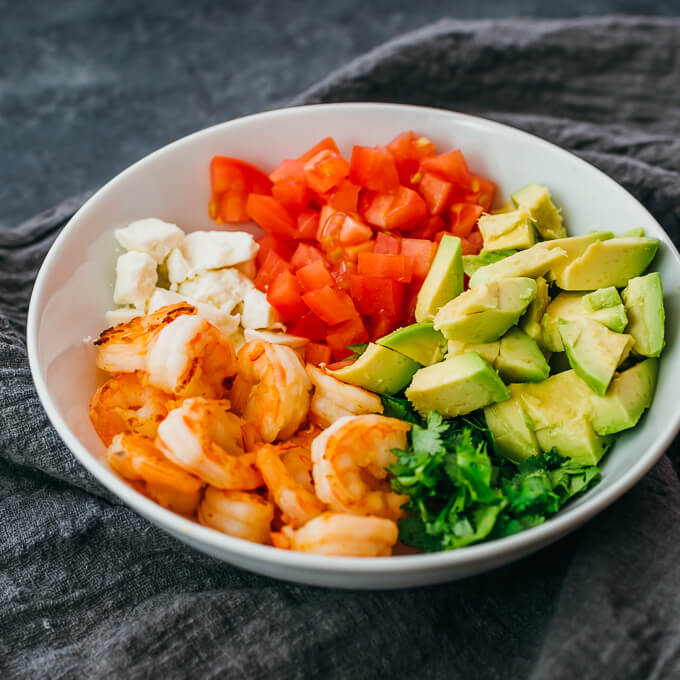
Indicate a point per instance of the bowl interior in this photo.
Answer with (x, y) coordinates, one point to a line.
(75, 286)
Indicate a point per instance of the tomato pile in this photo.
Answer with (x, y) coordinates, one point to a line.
(348, 244)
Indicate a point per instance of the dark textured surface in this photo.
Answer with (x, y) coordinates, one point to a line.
(89, 86)
(89, 589)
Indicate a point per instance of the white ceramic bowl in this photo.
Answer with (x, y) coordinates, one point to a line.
(75, 287)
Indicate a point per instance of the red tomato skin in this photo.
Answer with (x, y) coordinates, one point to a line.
(350, 332)
(374, 207)
(387, 244)
(436, 192)
(464, 217)
(428, 228)
(325, 171)
(422, 253)
(317, 353)
(450, 165)
(332, 306)
(326, 144)
(407, 210)
(354, 232)
(396, 267)
(269, 214)
(304, 254)
(373, 168)
(480, 191)
(272, 266)
(345, 197)
(408, 150)
(307, 224)
(292, 194)
(289, 168)
(377, 296)
(284, 295)
(310, 326)
(282, 247)
(256, 179)
(314, 275)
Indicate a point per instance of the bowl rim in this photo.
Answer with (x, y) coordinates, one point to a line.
(557, 526)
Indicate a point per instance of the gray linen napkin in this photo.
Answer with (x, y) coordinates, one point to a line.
(89, 589)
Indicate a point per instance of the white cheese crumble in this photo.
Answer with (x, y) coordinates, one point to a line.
(220, 287)
(151, 236)
(216, 249)
(257, 312)
(135, 278)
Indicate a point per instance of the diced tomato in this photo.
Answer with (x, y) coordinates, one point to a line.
(337, 365)
(408, 150)
(440, 235)
(231, 181)
(282, 247)
(326, 144)
(310, 326)
(272, 266)
(345, 197)
(317, 353)
(436, 192)
(475, 242)
(231, 205)
(374, 207)
(397, 267)
(428, 228)
(387, 244)
(379, 326)
(307, 224)
(407, 210)
(353, 232)
(410, 306)
(350, 332)
(271, 215)
(342, 272)
(464, 216)
(314, 275)
(330, 305)
(328, 231)
(285, 295)
(325, 171)
(422, 253)
(373, 168)
(374, 295)
(291, 193)
(290, 168)
(303, 255)
(450, 166)
(480, 191)
(351, 253)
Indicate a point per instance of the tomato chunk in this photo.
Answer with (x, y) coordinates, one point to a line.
(406, 210)
(307, 224)
(386, 244)
(285, 295)
(310, 326)
(373, 168)
(436, 192)
(325, 171)
(408, 150)
(350, 332)
(283, 247)
(268, 213)
(290, 168)
(314, 275)
(422, 253)
(428, 228)
(375, 295)
(330, 305)
(397, 267)
(480, 191)
(291, 193)
(451, 166)
(317, 353)
(353, 232)
(472, 244)
(231, 181)
(304, 254)
(464, 216)
(272, 266)
(345, 197)
(326, 144)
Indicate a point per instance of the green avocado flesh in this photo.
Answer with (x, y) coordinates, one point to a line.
(419, 341)
(530, 323)
(573, 246)
(594, 351)
(508, 230)
(643, 297)
(379, 369)
(485, 313)
(444, 280)
(535, 199)
(456, 386)
(471, 263)
(601, 299)
(533, 262)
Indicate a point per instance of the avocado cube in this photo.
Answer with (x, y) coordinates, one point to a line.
(573, 246)
(456, 386)
(575, 439)
(444, 280)
(630, 393)
(594, 351)
(636, 231)
(643, 297)
(520, 358)
(509, 230)
(530, 322)
(471, 263)
(485, 313)
(489, 351)
(601, 299)
(535, 199)
(419, 341)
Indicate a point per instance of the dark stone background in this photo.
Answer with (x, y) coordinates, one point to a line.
(89, 86)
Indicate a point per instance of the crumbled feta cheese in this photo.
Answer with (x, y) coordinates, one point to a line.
(223, 288)
(136, 278)
(178, 267)
(294, 341)
(216, 249)
(122, 315)
(257, 312)
(151, 236)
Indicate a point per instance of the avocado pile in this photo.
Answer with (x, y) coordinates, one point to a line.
(557, 338)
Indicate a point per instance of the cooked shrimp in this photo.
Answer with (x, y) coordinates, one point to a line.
(304, 438)
(202, 437)
(137, 459)
(123, 404)
(191, 358)
(286, 472)
(237, 513)
(333, 399)
(271, 389)
(349, 465)
(342, 535)
(123, 348)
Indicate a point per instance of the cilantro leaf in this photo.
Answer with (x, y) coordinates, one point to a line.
(429, 439)
(396, 407)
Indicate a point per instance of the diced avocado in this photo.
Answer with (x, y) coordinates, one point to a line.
(643, 297)
(601, 299)
(530, 323)
(630, 393)
(520, 359)
(507, 230)
(489, 351)
(575, 439)
(573, 246)
(444, 281)
(638, 231)
(456, 386)
(485, 313)
(380, 370)
(535, 199)
(533, 262)
(506, 420)
(608, 263)
(471, 263)
(570, 307)
(419, 341)
(594, 351)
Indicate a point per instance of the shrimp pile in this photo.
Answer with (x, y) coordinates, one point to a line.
(253, 444)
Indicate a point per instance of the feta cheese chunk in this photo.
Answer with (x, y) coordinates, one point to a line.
(178, 267)
(151, 236)
(135, 278)
(257, 312)
(223, 288)
(122, 315)
(216, 249)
